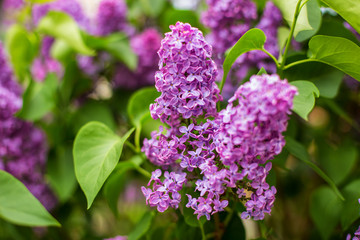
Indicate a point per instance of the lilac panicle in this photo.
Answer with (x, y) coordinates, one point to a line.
(250, 134)
(186, 78)
(111, 17)
(228, 21)
(145, 45)
(45, 64)
(13, 4)
(23, 148)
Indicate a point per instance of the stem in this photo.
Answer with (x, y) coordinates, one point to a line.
(228, 218)
(272, 57)
(143, 172)
(129, 144)
(299, 62)
(203, 236)
(303, 4)
(218, 230)
(137, 138)
(296, 14)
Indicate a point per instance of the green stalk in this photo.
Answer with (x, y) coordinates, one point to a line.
(203, 236)
(296, 15)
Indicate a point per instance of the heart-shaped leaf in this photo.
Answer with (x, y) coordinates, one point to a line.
(96, 152)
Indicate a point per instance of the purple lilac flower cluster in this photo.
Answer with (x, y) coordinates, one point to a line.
(228, 21)
(71, 7)
(111, 17)
(269, 23)
(23, 148)
(165, 193)
(45, 64)
(229, 152)
(186, 78)
(145, 46)
(250, 134)
(13, 4)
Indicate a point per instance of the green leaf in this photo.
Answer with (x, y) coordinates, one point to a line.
(304, 102)
(116, 44)
(235, 229)
(61, 175)
(350, 212)
(62, 26)
(142, 227)
(153, 7)
(96, 152)
(282, 36)
(348, 9)
(39, 98)
(325, 210)
(117, 181)
(61, 50)
(139, 103)
(171, 16)
(309, 19)
(338, 162)
(335, 27)
(93, 111)
(338, 52)
(19, 45)
(262, 71)
(300, 152)
(328, 83)
(19, 206)
(254, 39)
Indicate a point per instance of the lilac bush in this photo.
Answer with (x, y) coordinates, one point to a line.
(23, 147)
(231, 151)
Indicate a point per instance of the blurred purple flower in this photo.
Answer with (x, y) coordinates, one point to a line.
(23, 148)
(145, 45)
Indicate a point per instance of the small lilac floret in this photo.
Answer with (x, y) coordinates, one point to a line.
(164, 193)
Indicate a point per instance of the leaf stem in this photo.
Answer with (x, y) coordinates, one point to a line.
(129, 144)
(298, 62)
(137, 138)
(143, 172)
(203, 236)
(296, 15)
(271, 56)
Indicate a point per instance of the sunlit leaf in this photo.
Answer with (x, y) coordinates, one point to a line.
(309, 19)
(338, 52)
(304, 102)
(62, 26)
(19, 206)
(96, 152)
